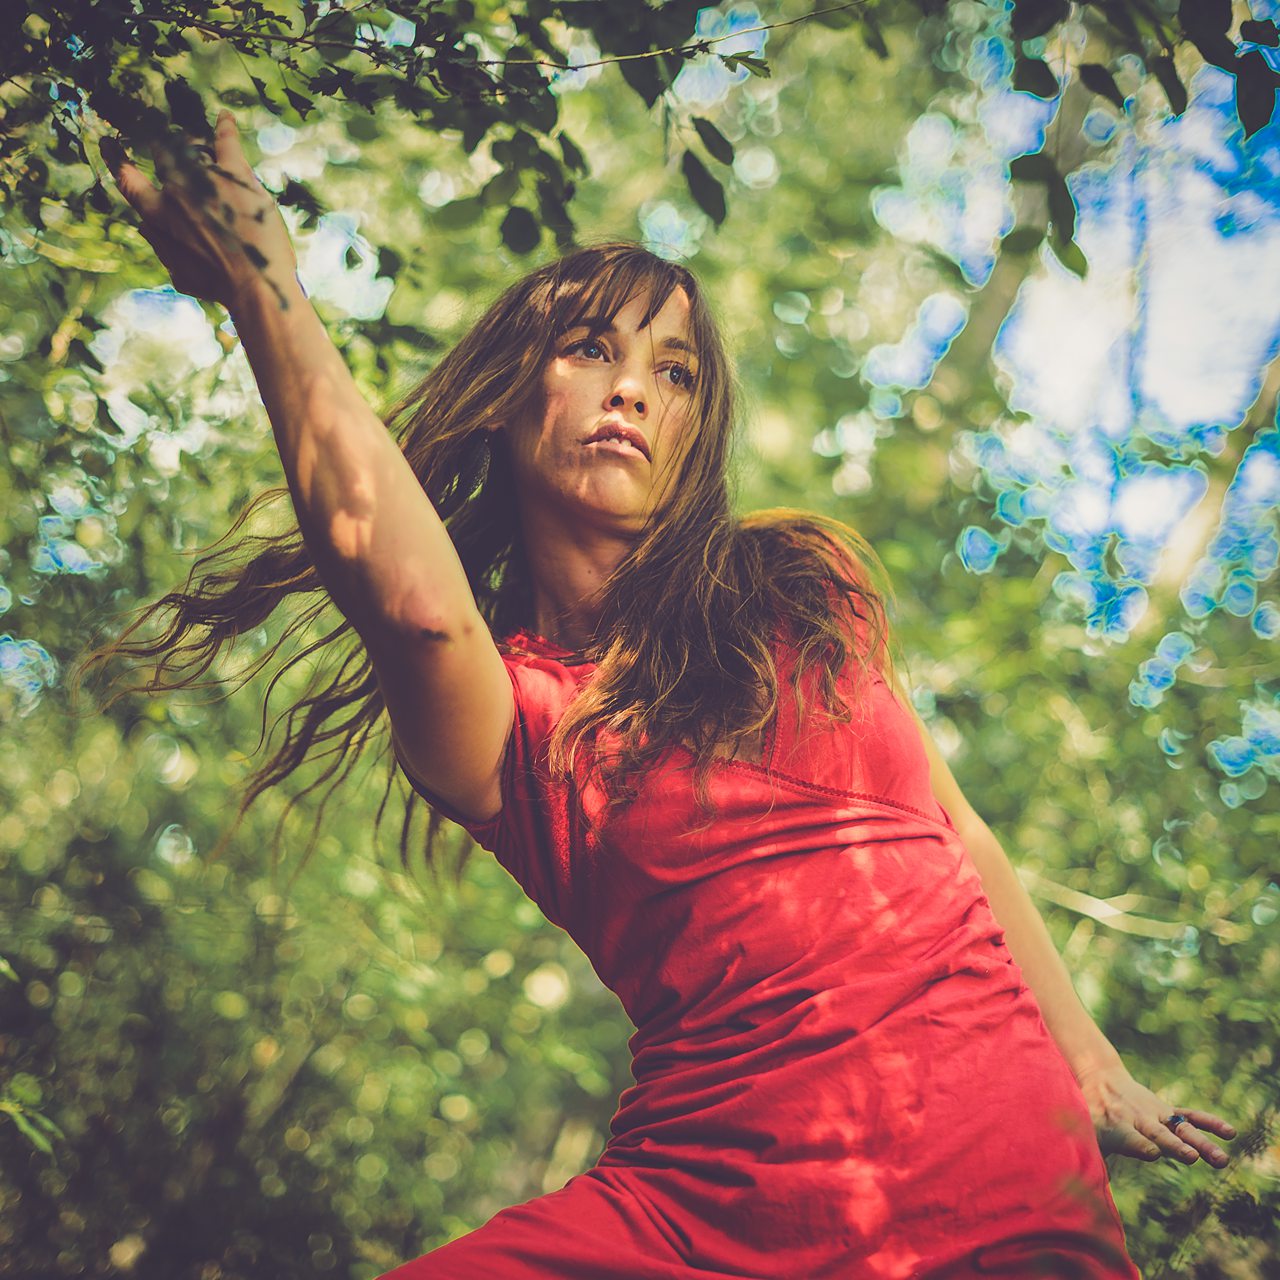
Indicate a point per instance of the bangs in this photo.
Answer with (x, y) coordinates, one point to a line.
(588, 288)
(589, 294)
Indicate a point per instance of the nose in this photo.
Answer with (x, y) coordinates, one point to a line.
(627, 393)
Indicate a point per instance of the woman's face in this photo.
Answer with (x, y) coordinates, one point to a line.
(614, 424)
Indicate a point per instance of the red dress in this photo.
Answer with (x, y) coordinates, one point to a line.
(839, 1072)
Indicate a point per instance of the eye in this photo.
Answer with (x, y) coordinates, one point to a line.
(588, 348)
(681, 376)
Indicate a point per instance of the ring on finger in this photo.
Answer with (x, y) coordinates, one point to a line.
(1175, 1120)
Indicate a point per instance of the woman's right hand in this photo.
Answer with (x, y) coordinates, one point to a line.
(217, 244)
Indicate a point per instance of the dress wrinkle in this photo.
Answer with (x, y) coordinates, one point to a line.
(839, 1072)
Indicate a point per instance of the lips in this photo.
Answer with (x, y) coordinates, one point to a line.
(621, 431)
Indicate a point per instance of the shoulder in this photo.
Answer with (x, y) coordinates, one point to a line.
(545, 677)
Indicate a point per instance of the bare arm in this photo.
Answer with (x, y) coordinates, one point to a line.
(1077, 1035)
(384, 555)
(1128, 1117)
(377, 543)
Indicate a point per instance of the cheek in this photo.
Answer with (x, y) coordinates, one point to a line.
(677, 431)
(534, 438)
(557, 402)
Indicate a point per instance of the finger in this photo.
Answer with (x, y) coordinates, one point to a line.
(226, 138)
(1189, 1133)
(138, 189)
(227, 151)
(1137, 1146)
(1170, 1141)
(1212, 1153)
(181, 161)
(167, 248)
(1208, 1121)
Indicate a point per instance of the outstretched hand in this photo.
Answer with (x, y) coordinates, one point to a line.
(1130, 1120)
(217, 232)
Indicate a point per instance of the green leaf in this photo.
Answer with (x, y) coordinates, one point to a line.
(30, 1132)
(572, 156)
(553, 212)
(500, 188)
(757, 66)
(299, 102)
(873, 37)
(1199, 17)
(361, 126)
(264, 96)
(1256, 87)
(297, 195)
(186, 107)
(1097, 79)
(1062, 210)
(338, 27)
(113, 152)
(1167, 74)
(1070, 255)
(1033, 167)
(642, 75)
(1206, 23)
(43, 1122)
(25, 1090)
(520, 230)
(1039, 167)
(1022, 240)
(1032, 18)
(719, 147)
(708, 193)
(836, 19)
(1263, 33)
(137, 121)
(6, 969)
(1245, 1010)
(459, 213)
(1031, 75)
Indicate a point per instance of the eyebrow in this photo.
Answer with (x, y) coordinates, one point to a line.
(599, 325)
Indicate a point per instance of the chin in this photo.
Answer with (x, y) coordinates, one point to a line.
(605, 505)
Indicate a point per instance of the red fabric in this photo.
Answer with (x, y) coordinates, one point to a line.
(839, 1071)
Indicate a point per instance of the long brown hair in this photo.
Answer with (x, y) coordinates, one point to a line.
(690, 619)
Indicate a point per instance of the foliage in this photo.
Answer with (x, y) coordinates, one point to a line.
(490, 73)
(257, 1070)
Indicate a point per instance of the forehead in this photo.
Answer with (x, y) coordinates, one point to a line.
(644, 292)
(638, 314)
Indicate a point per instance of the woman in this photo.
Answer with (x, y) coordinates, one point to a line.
(857, 1052)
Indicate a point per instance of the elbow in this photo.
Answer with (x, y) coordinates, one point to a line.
(438, 623)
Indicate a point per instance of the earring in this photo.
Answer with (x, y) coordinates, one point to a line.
(482, 460)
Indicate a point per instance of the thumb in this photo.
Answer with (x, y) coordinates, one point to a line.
(137, 189)
(226, 139)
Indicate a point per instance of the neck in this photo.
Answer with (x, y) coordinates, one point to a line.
(568, 569)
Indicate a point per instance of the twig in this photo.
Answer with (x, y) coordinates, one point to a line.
(371, 48)
(1099, 909)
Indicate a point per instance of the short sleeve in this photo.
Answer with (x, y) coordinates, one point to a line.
(530, 835)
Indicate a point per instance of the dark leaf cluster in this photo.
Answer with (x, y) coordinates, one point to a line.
(1152, 33)
(77, 70)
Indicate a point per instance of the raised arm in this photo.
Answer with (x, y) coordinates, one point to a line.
(377, 543)
(1128, 1117)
